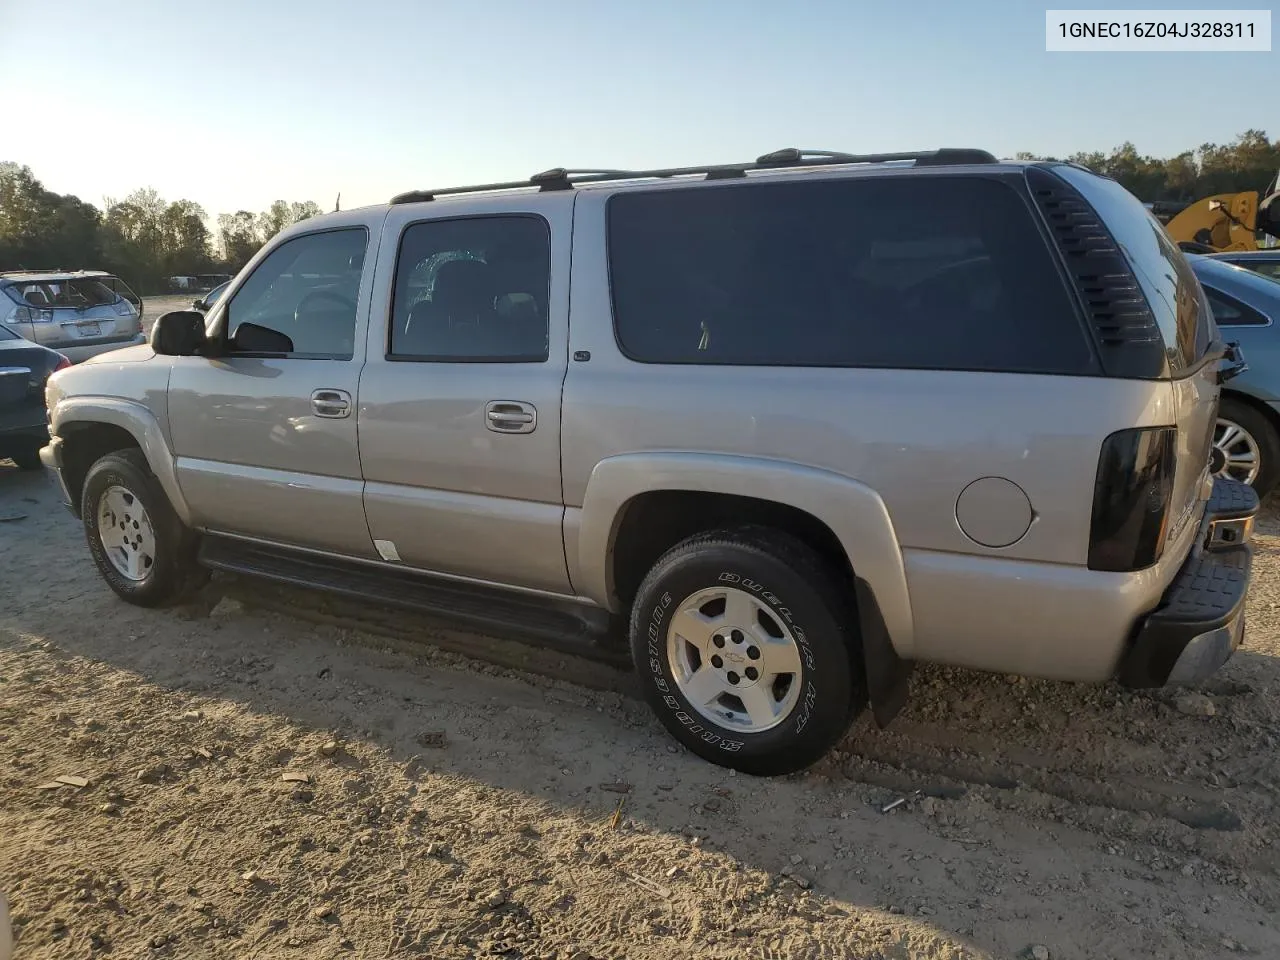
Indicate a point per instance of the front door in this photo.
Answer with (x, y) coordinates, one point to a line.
(460, 399)
(265, 433)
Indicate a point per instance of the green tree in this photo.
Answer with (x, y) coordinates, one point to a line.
(40, 228)
(239, 238)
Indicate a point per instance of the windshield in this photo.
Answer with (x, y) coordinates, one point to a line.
(75, 292)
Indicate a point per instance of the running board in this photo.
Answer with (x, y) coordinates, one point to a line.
(559, 624)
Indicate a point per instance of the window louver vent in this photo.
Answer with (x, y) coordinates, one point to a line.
(1128, 337)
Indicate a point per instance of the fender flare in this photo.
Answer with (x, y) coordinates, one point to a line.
(853, 511)
(140, 423)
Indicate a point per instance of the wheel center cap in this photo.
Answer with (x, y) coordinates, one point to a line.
(1217, 460)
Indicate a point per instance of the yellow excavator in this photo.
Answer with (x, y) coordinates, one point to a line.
(1226, 221)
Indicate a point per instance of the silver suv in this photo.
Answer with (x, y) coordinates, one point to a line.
(80, 313)
(784, 427)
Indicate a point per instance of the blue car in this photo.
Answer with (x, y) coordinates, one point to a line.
(1246, 305)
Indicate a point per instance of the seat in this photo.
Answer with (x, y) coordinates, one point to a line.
(458, 318)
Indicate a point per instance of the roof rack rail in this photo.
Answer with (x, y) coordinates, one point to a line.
(560, 178)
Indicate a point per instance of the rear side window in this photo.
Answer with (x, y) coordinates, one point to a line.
(1230, 312)
(947, 273)
(473, 290)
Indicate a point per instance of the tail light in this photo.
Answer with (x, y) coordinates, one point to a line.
(1131, 497)
(32, 315)
(62, 364)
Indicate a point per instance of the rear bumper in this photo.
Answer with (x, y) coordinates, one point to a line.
(1199, 621)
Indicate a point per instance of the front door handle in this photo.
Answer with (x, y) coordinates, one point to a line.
(327, 402)
(510, 416)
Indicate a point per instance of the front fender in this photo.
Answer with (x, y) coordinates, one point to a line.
(140, 423)
(854, 512)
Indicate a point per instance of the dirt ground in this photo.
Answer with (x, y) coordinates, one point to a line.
(261, 784)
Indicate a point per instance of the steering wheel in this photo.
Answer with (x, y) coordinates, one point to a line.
(316, 295)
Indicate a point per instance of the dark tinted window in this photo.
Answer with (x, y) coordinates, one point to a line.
(912, 272)
(474, 289)
(1162, 270)
(306, 288)
(1230, 312)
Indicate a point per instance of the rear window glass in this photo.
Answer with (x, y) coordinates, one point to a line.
(71, 292)
(946, 273)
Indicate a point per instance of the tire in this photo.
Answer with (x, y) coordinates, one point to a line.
(27, 458)
(802, 620)
(121, 488)
(1259, 429)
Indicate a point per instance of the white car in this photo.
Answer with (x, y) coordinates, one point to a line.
(78, 313)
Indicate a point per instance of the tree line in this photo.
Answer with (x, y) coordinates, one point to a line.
(146, 239)
(1250, 162)
(142, 238)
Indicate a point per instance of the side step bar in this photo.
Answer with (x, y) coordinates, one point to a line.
(562, 625)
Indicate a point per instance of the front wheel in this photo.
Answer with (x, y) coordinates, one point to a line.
(143, 551)
(747, 650)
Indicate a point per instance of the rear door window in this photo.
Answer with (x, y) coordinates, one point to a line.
(947, 273)
(475, 289)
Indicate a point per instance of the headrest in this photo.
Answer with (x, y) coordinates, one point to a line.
(465, 285)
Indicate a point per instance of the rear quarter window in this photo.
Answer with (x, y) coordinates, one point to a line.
(948, 273)
(1172, 290)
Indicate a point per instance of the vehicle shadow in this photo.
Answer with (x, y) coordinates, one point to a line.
(995, 813)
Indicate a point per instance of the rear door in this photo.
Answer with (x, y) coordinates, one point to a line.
(460, 399)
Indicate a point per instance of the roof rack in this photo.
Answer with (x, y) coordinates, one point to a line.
(560, 178)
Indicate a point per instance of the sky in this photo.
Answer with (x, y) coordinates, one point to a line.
(237, 103)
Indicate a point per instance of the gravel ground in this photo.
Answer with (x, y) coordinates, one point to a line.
(267, 784)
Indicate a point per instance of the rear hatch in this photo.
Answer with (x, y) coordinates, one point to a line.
(1153, 322)
(66, 310)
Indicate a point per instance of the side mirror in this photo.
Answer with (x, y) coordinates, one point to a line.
(179, 333)
(252, 338)
(199, 304)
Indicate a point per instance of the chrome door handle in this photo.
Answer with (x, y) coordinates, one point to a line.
(510, 416)
(334, 404)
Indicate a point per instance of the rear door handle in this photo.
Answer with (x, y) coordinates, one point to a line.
(327, 402)
(510, 416)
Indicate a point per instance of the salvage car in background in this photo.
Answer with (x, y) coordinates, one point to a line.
(1246, 305)
(206, 302)
(78, 313)
(25, 367)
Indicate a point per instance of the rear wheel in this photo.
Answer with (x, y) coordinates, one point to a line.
(747, 650)
(1246, 446)
(143, 551)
